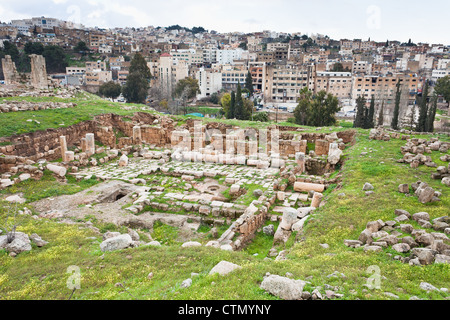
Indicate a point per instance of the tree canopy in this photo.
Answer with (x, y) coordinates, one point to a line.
(442, 88)
(316, 109)
(110, 89)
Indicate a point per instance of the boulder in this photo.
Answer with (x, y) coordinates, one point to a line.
(116, 243)
(403, 188)
(20, 243)
(38, 240)
(401, 247)
(421, 216)
(283, 287)
(374, 226)
(189, 244)
(269, 230)
(365, 237)
(224, 267)
(426, 257)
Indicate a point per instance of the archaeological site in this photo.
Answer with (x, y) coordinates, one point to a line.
(142, 204)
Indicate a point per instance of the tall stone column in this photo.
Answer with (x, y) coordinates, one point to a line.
(83, 144)
(137, 136)
(300, 159)
(38, 72)
(9, 70)
(90, 144)
(63, 143)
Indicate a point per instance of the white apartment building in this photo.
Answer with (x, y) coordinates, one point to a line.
(209, 81)
(170, 72)
(439, 73)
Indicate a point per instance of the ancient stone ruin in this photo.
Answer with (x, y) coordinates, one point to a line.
(10, 73)
(38, 72)
(203, 173)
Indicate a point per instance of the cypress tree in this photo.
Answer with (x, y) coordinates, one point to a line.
(381, 115)
(369, 120)
(398, 94)
(232, 108)
(423, 110)
(239, 106)
(249, 83)
(359, 118)
(432, 114)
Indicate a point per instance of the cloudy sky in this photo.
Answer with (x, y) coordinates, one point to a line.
(422, 21)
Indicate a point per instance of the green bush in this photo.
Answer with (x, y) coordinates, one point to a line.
(261, 116)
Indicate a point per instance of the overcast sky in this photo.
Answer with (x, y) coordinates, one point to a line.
(422, 21)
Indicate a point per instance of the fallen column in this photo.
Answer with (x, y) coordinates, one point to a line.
(304, 186)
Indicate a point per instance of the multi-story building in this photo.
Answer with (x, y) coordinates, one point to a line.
(258, 72)
(385, 87)
(170, 72)
(232, 75)
(337, 83)
(209, 81)
(283, 82)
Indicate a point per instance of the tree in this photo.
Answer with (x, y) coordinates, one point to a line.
(225, 103)
(369, 120)
(381, 115)
(360, 112)
(138, 64)
(55, 59)
(261, 116)
(247, 109)
(316, 110)
(164, 105)
(9, 48)
(239, 105)
(432, 113)
(214, 98)
(186, 89)
(398, 94)
(423, 110)
(81, 47)
(442, 88)
(231, 114)
(110, 90)
(338, 67)
(302, 110)
(243, 45)
(249, 83)
(33, 48)
(136, 88)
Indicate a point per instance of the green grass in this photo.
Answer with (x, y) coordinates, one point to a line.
(48, 186)
(16, 122)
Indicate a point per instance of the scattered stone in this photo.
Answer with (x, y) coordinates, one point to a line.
(224, 267)
(283, 287)
(116, 243)
(367, 186)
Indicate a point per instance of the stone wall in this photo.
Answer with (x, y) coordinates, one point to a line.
(46, 144)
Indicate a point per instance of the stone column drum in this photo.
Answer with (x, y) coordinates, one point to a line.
(90, 144)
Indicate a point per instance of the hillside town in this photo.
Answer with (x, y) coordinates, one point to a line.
(280, 64)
